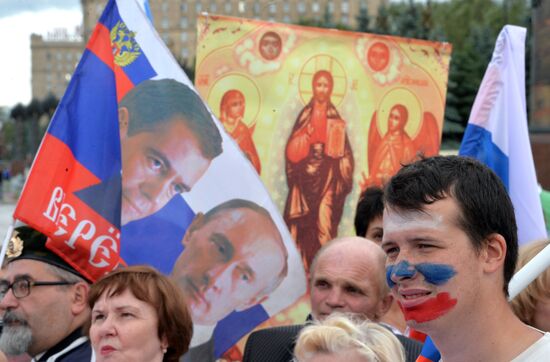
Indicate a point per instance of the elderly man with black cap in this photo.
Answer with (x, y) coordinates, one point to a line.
(45, 302)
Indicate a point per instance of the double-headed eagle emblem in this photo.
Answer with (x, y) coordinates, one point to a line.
(124, 46)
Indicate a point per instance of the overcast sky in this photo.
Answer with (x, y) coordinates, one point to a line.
(18, 20)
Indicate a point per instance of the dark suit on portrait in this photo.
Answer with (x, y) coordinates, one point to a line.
(201, 353)
(277, 345)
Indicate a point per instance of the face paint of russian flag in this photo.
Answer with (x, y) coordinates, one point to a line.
(73, 191)
(436, 274)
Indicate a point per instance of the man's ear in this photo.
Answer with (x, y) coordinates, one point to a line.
(123, 121)
(252, 302)
(197, 222)
(493, 253)
(383, 306)
(80, 298)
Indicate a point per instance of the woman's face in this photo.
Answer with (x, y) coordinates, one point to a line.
(124, 328)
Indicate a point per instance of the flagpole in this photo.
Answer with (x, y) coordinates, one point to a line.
(529, 272)
(6, 241)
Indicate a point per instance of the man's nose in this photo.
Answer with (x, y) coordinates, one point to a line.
(402, 270)
(9, 301)
(335, 299)
(220, 277)
(156, 191)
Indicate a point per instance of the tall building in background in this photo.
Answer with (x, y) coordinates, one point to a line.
(54, 58)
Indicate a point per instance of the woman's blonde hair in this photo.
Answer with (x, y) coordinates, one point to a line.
(339, 333)
(525, 303)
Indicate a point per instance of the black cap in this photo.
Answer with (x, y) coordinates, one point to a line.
(27, 243)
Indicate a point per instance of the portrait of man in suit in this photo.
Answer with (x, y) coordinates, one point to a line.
(234, 258)
(168, 140)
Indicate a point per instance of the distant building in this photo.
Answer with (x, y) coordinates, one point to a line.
(54, 59)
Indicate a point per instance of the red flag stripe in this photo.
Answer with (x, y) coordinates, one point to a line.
(100, 45)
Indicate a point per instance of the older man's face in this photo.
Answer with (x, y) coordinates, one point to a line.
(40, 320)
(227, 263)
(347, 280)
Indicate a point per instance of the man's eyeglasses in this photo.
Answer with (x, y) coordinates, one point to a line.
(22, 287)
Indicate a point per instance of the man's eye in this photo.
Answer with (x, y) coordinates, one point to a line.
(245, 277)
(321, 284)
(126, 315)
(392, 251)
(220, 247)
(352, 290)
(155, 163)
(98, 317)
(179, 188)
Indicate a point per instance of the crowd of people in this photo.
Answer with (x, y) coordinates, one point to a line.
(433, 255)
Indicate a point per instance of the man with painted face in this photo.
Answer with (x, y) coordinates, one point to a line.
(168, 140)
(348, 276)
(451, 239)
(234, 257)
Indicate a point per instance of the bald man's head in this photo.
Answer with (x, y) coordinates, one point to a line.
(348, 275)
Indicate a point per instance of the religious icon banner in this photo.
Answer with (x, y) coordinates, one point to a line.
(321, 114)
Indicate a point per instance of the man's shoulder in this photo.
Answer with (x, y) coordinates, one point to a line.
(538, 351)
(78, 351)
(274, 344)
(201, 352)
(412, 347)
(279, 330)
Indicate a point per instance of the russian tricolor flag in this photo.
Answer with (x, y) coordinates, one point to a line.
(497, 133)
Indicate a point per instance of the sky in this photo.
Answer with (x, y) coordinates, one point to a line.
(18, 20)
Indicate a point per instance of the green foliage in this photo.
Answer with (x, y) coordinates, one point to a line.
(382, 21)
(363, 20)
(22, 132)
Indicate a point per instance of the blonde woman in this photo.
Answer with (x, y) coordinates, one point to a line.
(345, 338)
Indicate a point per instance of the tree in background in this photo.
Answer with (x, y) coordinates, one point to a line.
(24, 129)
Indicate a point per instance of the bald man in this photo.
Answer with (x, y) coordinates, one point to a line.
(348, 276)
